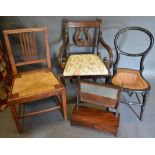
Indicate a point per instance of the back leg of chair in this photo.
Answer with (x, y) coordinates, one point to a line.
(63, 80)
(145, 98)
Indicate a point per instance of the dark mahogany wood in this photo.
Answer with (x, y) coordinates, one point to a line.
(88, 40)
(97, 99)
(94, 118)
(97, 119)
(104, 101)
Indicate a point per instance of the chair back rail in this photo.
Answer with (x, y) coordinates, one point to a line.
(82, 37)
(24, 42)
(141, 54)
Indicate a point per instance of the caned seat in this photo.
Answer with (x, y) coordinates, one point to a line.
(84, 64)
(134, 85)
(131, 79)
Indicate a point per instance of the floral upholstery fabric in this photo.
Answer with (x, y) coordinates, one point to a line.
(5, 78)
(85, 64)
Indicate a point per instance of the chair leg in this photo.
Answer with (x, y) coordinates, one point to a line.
(71, 80)
(64, 104)
(107, 81)
(63, 81)
(145, 98)
(139, 103)
(15, 116)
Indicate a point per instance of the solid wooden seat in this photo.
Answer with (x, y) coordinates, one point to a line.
(131, 79)
(29, 46)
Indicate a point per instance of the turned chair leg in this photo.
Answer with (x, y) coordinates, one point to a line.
(15, 116)
(145, 98)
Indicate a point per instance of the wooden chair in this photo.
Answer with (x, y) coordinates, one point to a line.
(23, 49)
(132, 80)
(80, 54)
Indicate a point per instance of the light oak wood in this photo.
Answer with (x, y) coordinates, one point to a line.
(28, 47)
(131, 79)
(26, 86)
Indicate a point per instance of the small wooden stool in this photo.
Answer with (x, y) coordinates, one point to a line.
(99, 94)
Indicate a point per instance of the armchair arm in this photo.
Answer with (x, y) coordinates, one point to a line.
(109, 50)
(62, 52)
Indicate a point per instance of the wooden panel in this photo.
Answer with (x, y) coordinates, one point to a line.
(100, 100)
(99, 90)
(82, 24)
(94, 118)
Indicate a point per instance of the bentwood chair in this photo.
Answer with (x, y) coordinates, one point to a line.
(29, 46)
(134, 84)
(82, 48)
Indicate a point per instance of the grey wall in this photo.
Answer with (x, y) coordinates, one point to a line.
(111, 25)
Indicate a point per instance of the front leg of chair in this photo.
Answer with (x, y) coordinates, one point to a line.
(64, 104)
(15, 116)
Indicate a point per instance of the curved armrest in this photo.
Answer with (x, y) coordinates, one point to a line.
(109, 50)
(62, 52)
(60, 57)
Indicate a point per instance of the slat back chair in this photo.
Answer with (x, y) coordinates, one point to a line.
(24, 49)
(132, 79)
(25, 45)
(82, 40)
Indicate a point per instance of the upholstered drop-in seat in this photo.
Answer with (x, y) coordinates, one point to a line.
(34, 83)
(131, 79)
(84, 64)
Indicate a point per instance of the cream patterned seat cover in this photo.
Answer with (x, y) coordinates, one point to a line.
(85, 64)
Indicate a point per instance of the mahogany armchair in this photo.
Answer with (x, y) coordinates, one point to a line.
(24, 49)
(80, 53)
